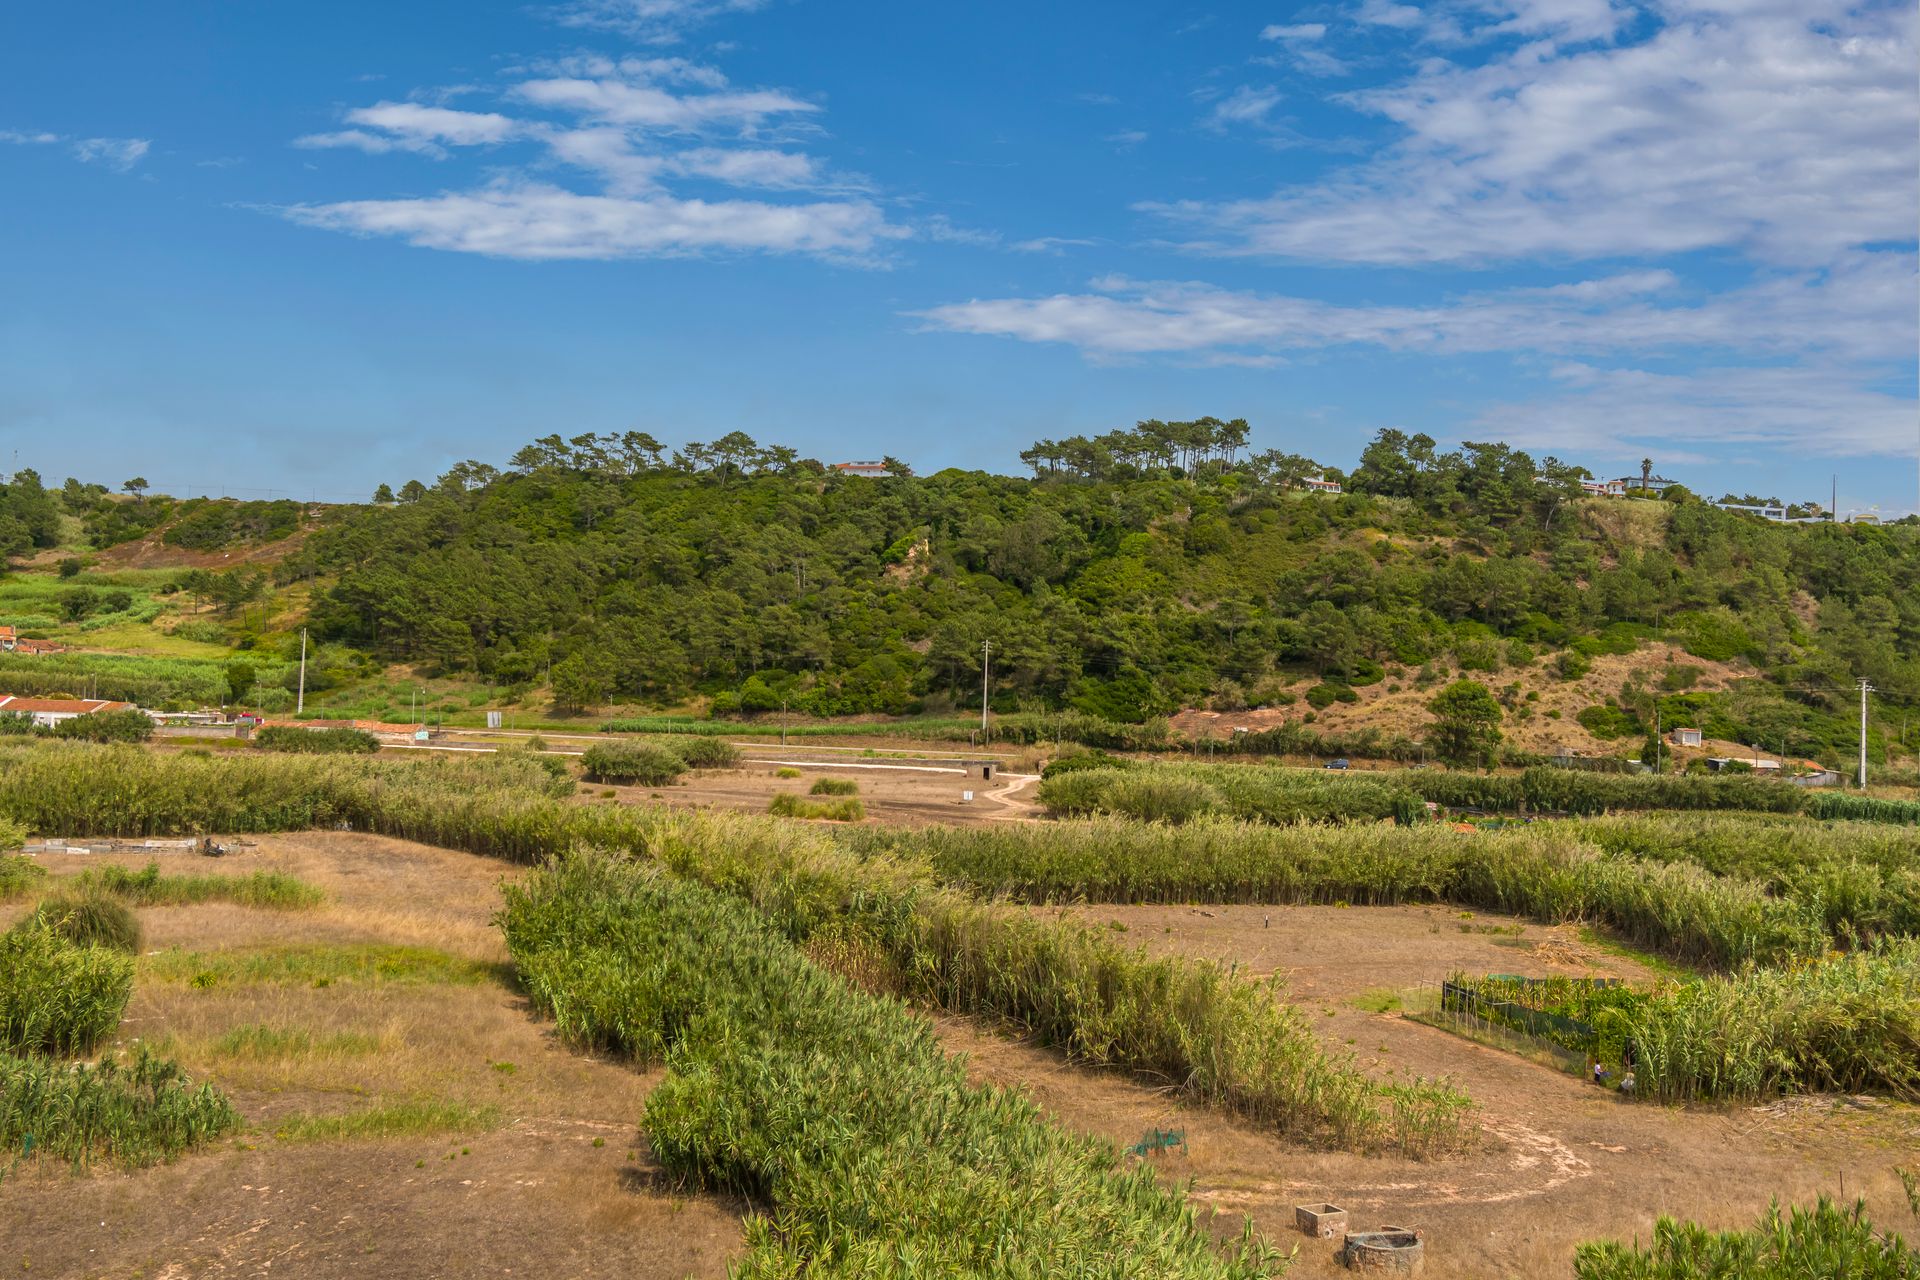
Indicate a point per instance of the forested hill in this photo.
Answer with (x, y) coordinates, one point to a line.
(1131, 585)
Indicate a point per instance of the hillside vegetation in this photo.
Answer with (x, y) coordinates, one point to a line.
(1134, 575)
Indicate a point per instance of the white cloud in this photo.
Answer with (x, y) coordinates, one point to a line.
(435, 124)
(1127, 137)
(28, 139)
(638, 104)
(542, 223)
(1298, 31)
(637, 125)
(1048, 244)
(1246, 105)
(749, 167)
(1860, 312)
(656, 21)
(119, 154)
(1783, 131)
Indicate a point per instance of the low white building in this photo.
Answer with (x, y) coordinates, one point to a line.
(48, 712)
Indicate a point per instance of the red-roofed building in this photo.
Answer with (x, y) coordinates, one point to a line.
(47, 712)
(871, 470)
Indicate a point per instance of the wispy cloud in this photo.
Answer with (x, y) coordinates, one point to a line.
(1783, 131)
(542, 223)
(1861, 312)
(118, 154)
(653, 21)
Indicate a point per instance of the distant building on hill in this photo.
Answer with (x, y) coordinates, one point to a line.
(1604, 488)
(48, 712)
(1320, 484)
(871, 470)
(11, 642)
(1765, 510)
(1686, 737)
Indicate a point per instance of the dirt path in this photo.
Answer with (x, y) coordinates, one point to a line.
(551, 1179)
(895, 793)
(1557, 1160)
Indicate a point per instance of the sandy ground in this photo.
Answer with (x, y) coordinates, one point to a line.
(557, 1183)
(1556, 1161)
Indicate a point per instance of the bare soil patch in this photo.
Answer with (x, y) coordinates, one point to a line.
(553, 1178)
(900, 792)
(1557, 1160)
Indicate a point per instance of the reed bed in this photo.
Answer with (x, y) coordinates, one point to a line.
(634, 763)
(804, 880)
(1544, 872)
(1825, 1241)
(836, 1110)
(133, 1111)
(1256, 793)
(1844, 1022)
(86, 919)
(56, 997)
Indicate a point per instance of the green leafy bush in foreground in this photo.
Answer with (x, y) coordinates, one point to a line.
(56, 997)
(1825, 1241)
(634, 763)
(837, 1109)
(133, 1112)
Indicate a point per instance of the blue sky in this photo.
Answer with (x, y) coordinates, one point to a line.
(252, 246)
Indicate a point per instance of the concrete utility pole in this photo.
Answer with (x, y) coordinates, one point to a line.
(300, 704)
(1865, 689)
(986, 665)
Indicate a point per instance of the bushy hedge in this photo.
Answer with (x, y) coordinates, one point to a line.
(106, 726)
(632, 763)
(707, 753)
(338, 741)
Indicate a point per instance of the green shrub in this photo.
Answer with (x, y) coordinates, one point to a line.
(633, 763)
(707, 753)
(132, 1113)
(1825, 1241)
(106, 726)
(86, 918)
(786, 771)
(1607, 721)
(295, 738)
(1835, 804)
(56, 997)
(787, 805)
(834, 787)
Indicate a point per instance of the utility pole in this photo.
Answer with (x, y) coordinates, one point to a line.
(1865, 689)
(300, 704)
(1656, 737)
(986, 665)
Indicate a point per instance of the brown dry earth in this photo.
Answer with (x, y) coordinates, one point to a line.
(892, 796)
(1556, 1159)
(529, 1193)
